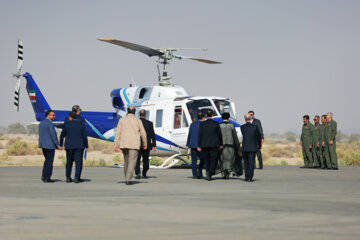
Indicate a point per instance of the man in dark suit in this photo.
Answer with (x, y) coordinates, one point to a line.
(151, 144)
(48, 142)
(251, 143)
(209, 142)
(192, 143)
(76, 141)
(257, 123)
(77, 110)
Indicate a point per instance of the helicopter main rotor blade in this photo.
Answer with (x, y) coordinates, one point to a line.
(198, 59)
(205, 61)
(136, 47)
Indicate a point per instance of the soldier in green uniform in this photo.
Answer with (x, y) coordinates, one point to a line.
(330, 142)
(306, 142)
(322, 141)
(316, 142)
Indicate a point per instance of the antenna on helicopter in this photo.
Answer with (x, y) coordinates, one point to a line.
(165, 56)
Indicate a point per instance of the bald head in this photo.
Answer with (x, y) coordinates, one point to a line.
(142, 113)
(247, 117)
(131, 110)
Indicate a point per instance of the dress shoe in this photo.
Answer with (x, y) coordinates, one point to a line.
(261, 167)
(145, 177)
(78, 180)
(128, 183)
(250, 180)
(43, 178)
(200, 175)
(49, 181)
(335, 168)
(208, 178)
(69, 180)
(137, 176)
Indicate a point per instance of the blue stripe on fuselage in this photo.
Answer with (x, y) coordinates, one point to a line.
(166, 141)
(100, 122)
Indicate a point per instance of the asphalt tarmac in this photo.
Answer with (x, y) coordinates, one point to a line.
(285, 202)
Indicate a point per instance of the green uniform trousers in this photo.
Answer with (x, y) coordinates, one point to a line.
(322, 157)
(308, 159)
(317, 156)
(330, 155)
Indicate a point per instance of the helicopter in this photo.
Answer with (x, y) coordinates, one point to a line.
(168, 106)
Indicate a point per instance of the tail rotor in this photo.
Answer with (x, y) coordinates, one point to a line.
(18, 75)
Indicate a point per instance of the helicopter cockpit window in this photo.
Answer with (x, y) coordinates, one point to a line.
(200, 105)
(224, 106)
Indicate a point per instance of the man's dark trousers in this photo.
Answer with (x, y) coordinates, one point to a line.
(71, 156)
(259, 157)
(195, 154)
(211, 158)
(249, 163)
(49, 155)
(145, 158)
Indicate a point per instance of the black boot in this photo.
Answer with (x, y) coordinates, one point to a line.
(200, 175)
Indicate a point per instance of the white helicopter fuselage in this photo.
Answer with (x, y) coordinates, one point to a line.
(172, 111)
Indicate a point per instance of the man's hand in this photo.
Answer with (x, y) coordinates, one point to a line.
(116, 148)
(221, 147)
(318, 144)
(310, 146)
(331, 142)
(154, 148)
(323, 144)
(199, 149)
(145, 147)
(300, 143)
(262, 142)
(59, 147)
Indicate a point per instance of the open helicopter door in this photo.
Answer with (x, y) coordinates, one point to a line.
(180, 124)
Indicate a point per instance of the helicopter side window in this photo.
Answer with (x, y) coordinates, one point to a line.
(159, 117)
(142, 93)
(116, 102)
(184, 122)
(177, 117)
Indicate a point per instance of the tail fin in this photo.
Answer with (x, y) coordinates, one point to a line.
(38, 101)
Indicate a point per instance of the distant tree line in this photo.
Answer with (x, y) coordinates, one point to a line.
(18, 128)
(293, 137)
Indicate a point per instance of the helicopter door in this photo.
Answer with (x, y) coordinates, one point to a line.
(180, 126)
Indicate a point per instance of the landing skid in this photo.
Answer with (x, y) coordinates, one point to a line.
(168, 163)
(171, 161)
